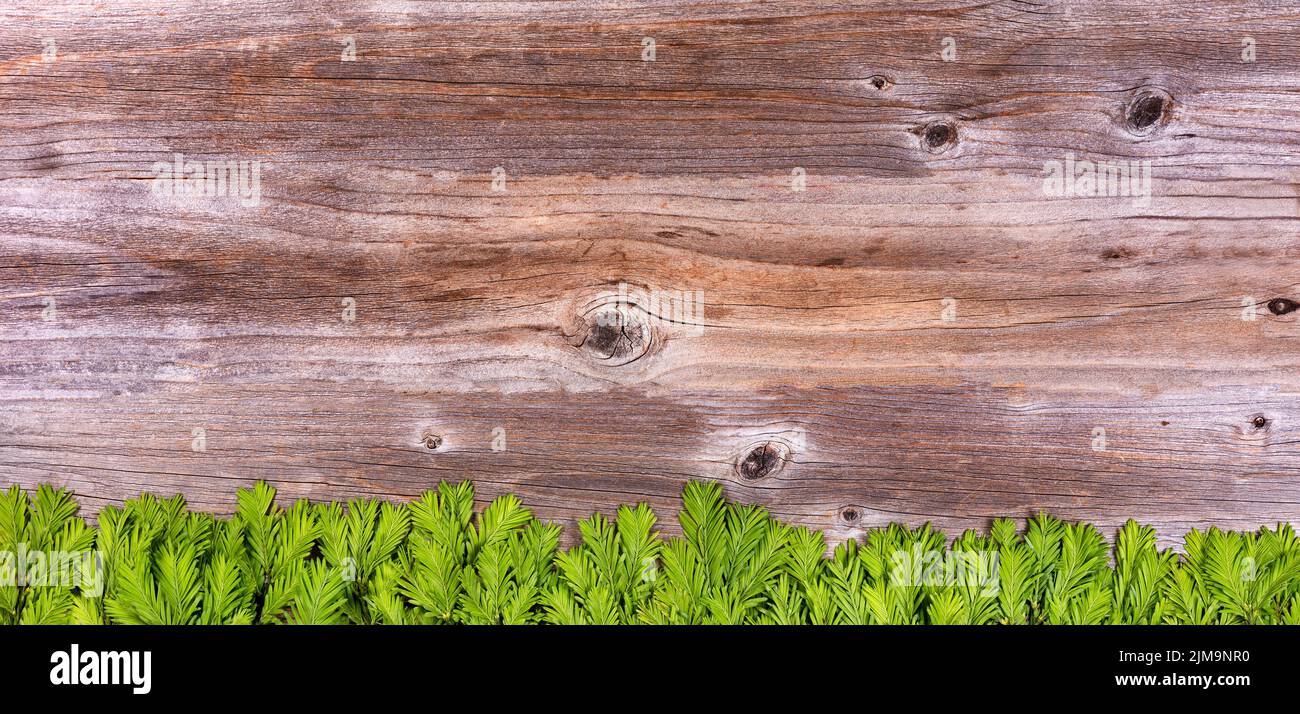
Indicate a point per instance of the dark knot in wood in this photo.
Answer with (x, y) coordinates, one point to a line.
(763, 460)
(939, 137)
(1281, 306)
(617, 333)
(1148, 110)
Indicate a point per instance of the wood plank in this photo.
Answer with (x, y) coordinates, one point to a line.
(920, 334)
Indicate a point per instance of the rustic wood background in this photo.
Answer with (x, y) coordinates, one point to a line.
(825, 381)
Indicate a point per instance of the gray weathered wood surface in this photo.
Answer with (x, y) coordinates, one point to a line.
(825, 379)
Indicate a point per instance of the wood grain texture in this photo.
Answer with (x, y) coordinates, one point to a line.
(823, 378)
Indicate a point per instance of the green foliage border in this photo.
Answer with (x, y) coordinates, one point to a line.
(437, 561)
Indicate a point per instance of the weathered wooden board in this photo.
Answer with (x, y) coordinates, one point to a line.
(447, 193)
